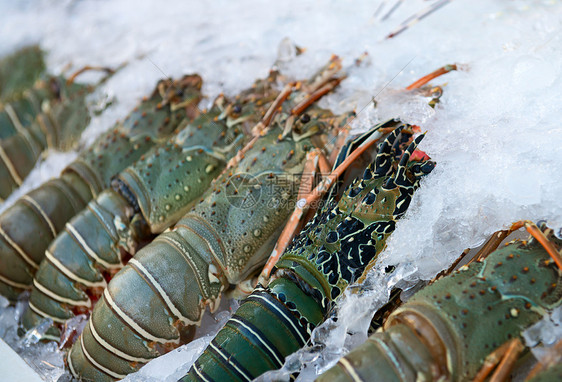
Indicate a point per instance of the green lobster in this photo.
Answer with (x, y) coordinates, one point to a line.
(43, 212)
(57, 126)
(155, 302)
(446, 330)
(332, 251)
(19, 71)
(145, 199)
(52, 114)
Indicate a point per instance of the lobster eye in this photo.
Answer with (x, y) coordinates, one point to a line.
(237, 109)
(305, 118)
(179, 92)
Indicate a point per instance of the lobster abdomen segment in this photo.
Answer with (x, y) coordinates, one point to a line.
(36, 215)
(269, 325)
(159, 310)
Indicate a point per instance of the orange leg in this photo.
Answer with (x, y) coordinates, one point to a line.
(425, 79)
(303, 205)
(541, 238)
(86, 68)
(298, 109)
(505, 356)
(508, 361)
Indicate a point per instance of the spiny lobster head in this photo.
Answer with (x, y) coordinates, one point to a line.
(180, 91)
(60, 89)
(343, 240)
(388, 183)
(251, 104)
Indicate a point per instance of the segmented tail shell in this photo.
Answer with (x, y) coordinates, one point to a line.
(57, 128)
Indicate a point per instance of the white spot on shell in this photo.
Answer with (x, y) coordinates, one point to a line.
(186, 188)
(247, 248)
(209, 168)
(257, 232)
(168, 207)
(213, 274)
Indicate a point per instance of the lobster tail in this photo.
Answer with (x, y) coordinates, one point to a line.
(58, 126)
(150, 307)
(80, 259)
(40, 215)
(17, 115)
(271, 323)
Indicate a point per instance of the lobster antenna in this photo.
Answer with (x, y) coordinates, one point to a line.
(109, 72)
(412, 20)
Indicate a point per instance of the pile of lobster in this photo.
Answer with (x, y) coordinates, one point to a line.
(175, 207)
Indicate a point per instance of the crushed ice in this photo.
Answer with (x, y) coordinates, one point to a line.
(495, 135)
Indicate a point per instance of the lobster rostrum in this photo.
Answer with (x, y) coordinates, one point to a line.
(19, 71)
(332, 250)
(155, 302)
(446, 331)
(146, 198)
(43, 212)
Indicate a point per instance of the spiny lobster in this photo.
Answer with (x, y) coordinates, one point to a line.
(52, 114)
(146, 198)
(155, 302)
(446, 330)
(331, 251)
(43, 212)
(19, 71)
(335, 248)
